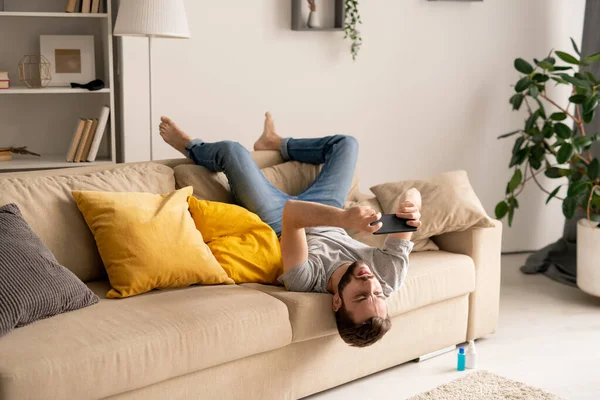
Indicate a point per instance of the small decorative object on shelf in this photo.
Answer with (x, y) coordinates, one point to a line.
(96, 84)
(313, 18)
(7, 152)
(71, 57)
(34, 71)
(352, 19)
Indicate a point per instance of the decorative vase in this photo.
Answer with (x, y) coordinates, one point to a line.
(588, 257)
(313, 20)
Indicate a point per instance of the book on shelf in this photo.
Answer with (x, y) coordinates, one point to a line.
(76, 139)
(102, 122)
(88, 142)
(86, 6)
(71, 6)
(95, 8)
(4, 80)
(84, 137)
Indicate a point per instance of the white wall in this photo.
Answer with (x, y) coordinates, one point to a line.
(428, 93)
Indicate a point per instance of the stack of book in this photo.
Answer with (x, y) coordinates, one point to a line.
(4, 80)
(87, 138)
(83, 6)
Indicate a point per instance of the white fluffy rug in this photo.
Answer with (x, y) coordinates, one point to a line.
(484, 385)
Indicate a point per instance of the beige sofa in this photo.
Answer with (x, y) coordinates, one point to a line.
(223, 342)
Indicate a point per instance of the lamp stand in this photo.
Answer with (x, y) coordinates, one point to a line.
(150, 91)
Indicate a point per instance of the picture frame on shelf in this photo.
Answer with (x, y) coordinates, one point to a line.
(71, 57)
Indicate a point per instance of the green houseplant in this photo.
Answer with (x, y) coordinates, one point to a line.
(350, 26)
(547, 143)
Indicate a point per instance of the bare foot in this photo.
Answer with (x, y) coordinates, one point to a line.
(269, 140)
(174, 136)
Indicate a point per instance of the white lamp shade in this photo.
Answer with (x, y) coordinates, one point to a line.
(155, 18)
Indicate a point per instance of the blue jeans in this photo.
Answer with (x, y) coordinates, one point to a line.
(254, 192)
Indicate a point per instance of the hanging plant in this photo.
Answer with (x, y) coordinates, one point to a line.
(352, 20)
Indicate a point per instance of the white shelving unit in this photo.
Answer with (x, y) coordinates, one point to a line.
(44, 119)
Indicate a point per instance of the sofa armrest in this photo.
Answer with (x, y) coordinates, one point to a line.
(483, 245)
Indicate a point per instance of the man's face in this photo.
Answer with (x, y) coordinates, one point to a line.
(361, 293)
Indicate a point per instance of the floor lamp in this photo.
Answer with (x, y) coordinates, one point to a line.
(152, 19)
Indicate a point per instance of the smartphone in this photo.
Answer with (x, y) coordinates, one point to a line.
(393, 224)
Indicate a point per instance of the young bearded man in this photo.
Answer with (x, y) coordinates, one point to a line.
(318, 255)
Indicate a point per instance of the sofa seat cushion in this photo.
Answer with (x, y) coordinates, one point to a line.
(45, 200)
(432, 277)
(121, 345)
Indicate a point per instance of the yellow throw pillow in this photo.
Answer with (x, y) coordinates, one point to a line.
(148, 241)
(246, 247)
(449, 203)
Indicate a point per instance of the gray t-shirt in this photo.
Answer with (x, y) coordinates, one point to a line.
(329, 248)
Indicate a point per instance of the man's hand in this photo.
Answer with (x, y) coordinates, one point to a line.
(360, 219)
(410, 209)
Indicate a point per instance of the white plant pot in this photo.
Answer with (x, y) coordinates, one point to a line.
(313, 20)
(588, 257)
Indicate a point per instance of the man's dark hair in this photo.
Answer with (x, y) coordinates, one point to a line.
(365, 333)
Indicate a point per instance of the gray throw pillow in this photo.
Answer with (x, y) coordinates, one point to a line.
(33, 285)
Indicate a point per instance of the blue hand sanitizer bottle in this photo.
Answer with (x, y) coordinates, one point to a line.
(461, 359)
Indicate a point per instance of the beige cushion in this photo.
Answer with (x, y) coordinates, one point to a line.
(47, 205)
(290, 177)
(378, 240)
(121, 345)
(433, 276)
(449, 203)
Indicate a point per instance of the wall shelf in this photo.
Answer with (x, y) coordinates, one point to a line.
(299, 18)
(22, 163)
(49, 90)
(50, 14)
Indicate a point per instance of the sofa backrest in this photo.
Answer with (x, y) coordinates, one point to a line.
(45, 200)
(46, 203)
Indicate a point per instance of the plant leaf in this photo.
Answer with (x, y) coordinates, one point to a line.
(518, 158)
(552, 194)
(563, 130)
(578, 99)
(568, 207)
(523, 66)
(564, 68)
(508, 134)
(575, 47)
(576, 188)
(540, 78)
(566, 57)
(518, 144)
(582, 141)
(565, 153)
(590, 104)
(558, 116)
(593, 169)
(522, 84)
(501, 210)
(593, 58)
(534, 91)
(515, 181)
(555, 172)
(516, 101)
(589, 117)
(511, 214)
